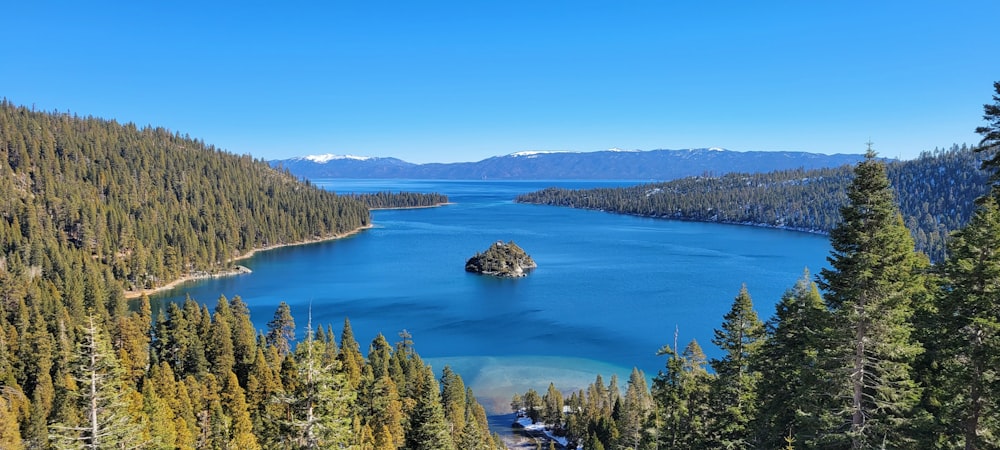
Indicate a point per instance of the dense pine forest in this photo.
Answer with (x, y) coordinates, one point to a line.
(935, 193)
(892, 354)
(400, 200)
(880, 350)
(91, 198)
(91, 207)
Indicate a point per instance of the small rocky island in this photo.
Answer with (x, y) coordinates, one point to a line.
(501, 260)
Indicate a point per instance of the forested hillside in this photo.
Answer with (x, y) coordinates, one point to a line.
(935, 193)
(880, 350)
(89, 207)
(892, 354)
(145, 204)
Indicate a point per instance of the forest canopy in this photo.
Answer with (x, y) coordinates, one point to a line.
(89, 207)
(935, 192)
(144, 204)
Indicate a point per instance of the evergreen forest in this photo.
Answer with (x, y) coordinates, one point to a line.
(935, 193)
(88, 200)
(881, 350)
(91, 208)
(401, 200)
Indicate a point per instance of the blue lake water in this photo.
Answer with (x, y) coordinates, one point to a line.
(609, 290)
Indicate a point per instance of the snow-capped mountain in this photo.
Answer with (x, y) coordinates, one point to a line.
(539, 165)
(320, 159)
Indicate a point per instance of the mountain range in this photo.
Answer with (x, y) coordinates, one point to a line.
(608, 164)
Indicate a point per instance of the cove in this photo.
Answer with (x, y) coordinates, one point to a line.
(608, 292)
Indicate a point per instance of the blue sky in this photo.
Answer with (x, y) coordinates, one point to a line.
(463, 81)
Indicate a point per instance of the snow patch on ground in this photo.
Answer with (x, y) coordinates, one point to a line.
(539, 428)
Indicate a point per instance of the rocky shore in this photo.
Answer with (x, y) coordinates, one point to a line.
(501, 260)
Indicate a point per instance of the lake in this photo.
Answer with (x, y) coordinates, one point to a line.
(608, 292)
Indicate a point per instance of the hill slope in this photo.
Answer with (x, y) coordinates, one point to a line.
(935, 193)
(147, 206)
(611, 164)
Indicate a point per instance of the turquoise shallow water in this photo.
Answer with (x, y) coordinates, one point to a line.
(609, 290)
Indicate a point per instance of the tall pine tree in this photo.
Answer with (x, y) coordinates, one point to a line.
(281, 329)
(793, 392)
(734, 393)
(869, 287)
(106, 423)
(321, 399)
(681, 395)
(429, 430)
(969, 312)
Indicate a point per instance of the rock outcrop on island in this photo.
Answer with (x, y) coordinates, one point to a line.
(501, 260)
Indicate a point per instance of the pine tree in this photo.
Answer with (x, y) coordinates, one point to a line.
(241, 433)
(13, 405)
(453, 400)
(379, 354)
(552, 407)
(350, 357)
(384, 440)
(476, 431)
(386, 414)
(106, 424)
(281, 329)
(244, 338)
(869, 287)
(969, 313)
(321, 401)
(533, 405)
(991, 135)
(734, 392)
(682, 398)
(516, 403)
(429, 429)
(39, 379)
(793, 390)
(161, 427)
(263, 387)
(220, 352)
(636, 410)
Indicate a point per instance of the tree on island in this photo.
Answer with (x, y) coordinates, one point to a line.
(502, 260)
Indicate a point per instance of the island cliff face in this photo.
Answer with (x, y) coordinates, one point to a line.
(501, 260)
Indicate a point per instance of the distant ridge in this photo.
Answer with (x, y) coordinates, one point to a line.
(658, 165)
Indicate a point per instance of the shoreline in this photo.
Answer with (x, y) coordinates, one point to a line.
(238, 269)
(412, 207)
(689, 219)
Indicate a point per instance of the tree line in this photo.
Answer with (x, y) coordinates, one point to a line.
(935, 192)
(195, 378)
(880, 350)
(391, 200)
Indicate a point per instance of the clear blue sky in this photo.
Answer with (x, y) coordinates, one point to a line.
(462, 81)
